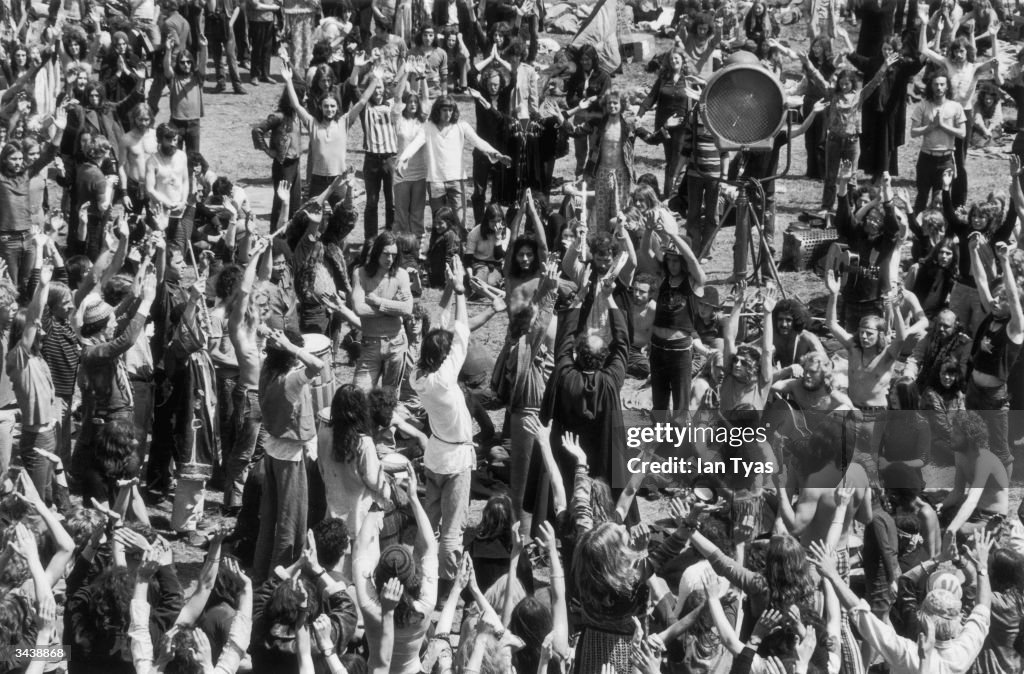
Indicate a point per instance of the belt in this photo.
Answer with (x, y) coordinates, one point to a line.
(938, 153)
(871, 408)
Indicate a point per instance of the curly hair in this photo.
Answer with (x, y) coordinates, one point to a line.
(972, 426)
(17, 624)
(332, 540)
(108, 611)
(528, 241)
(116, 444)
(227, 281)
(796, 310)
(788, 573)
(603, 565)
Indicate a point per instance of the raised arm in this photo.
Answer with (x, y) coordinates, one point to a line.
(841, 335)
(289, 85)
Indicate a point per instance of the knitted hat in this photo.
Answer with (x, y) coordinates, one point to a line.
(396, 561)
(941, 604)
(97, 312)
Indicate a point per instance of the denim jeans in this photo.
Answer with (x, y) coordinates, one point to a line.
(38, 467)
(16, 250)
(447, 506)
(410, 202)
(377, 176)
(283, 511)
(226, 385)
(222, 44)
(447, 194)
(381, 362)
(671, 364)
(993, 404)
(247, 419)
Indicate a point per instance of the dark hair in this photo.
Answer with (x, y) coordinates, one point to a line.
(322, 82)
(382, 404)
(794, 308)
(197, 160)
(949, 364)
(284, 103)
(589, 51)
(974, 429)
(1007, 568)
(825, 446)
(228, 586)
(117, 289)
(77, 266)
(907, 393)
(531, 621)
(17, 625)
(930, 77)
(115, 446)
(493, 215)
(603, 242)
(322, 51)
(961, 42)
(496, 521)
(383, 240)
(278, 361)
(332, 539)
(437, 344)
(350, 421)
(227, 281)
(441, 102)
(407, 98)
(108, 608)
(531, 243)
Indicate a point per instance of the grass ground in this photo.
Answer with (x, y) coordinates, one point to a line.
(227, 146)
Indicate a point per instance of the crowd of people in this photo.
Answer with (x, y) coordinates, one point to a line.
(160, 344)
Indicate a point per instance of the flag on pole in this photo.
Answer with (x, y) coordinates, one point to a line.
(601, 31)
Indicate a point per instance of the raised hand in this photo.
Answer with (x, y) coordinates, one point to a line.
(284, 191)
(823, 558)
(769, 298)
(767, 623)
(322, 631)
(571, 444)
(391, 595)
(844, 495)
(1015, 168)
(845, 170)
(287, 72)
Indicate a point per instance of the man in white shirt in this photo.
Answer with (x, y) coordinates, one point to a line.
(450, 455)
(939, 122)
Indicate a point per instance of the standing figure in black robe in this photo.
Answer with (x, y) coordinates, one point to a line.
(884, 116)
(582, 397)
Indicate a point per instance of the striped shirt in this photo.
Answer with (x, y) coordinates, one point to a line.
(378, 131)
(61, 349)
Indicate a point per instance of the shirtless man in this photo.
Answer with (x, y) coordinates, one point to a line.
(811, 385)
(820, 472)
(981, 487)
(133, 153)
(167, 182)
(243, 323)
(642, 308)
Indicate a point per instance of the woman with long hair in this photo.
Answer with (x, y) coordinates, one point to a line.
(408, 114)
(348, 461)
(280, 137)
(434, 60)
(486, 245)
(944, 399)
(588, 81)
(820, 56)
(759, 25)
(932, 279)
(382, 297)
(668, 98)
(683, 279)
(492, 543)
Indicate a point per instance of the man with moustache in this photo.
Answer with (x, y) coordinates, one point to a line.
(944, 340)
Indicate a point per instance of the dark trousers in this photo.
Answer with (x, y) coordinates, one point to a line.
(262, 35)
(673, 160)
(287, 170)
(483, 170)
(188, 132)
(671, 364)
(929, 177)
(221, 38)
(377, 176)
(16, 250)
(241, 29)
(156, 89)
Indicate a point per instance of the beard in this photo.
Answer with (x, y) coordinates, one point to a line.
(168, 151)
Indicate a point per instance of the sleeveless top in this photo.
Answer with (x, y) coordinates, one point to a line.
(673, 308)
